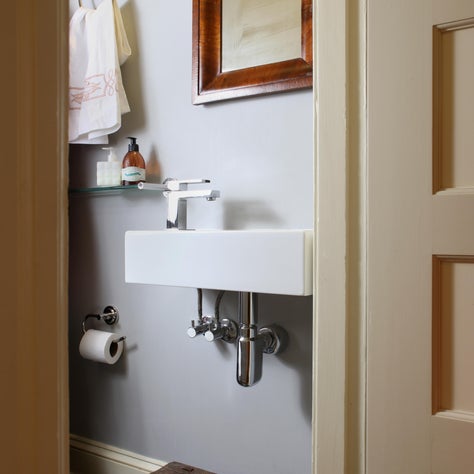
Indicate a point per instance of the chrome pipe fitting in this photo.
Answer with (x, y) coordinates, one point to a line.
(249, 345)
(274, 338)
(213, 329)
(225, 330)
(249, 356)
(198, 327)
(253, 343)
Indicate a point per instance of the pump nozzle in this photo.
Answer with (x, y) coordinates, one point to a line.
(111, 156)
(109, 173)
(132, 146)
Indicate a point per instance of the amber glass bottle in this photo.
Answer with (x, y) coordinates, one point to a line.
(133, 165)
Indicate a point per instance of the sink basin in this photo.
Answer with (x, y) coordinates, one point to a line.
(259, 261)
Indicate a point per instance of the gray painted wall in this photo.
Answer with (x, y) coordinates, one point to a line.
(171, 397)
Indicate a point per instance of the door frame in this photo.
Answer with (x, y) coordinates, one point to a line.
(340, 226)
(36, 422)
(340, 223)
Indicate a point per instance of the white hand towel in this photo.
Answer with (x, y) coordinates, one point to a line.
(98, 45)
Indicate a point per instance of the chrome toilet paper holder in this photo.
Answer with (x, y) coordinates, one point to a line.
(110, 316)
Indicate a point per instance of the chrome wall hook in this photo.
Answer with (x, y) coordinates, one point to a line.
(110, 316)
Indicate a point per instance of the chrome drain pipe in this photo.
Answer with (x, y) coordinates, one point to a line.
(249, 345)
(252, 343)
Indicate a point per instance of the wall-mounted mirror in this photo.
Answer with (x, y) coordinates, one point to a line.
(249, 47)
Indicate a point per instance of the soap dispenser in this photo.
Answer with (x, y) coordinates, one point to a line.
(133, 165)
(109, 172)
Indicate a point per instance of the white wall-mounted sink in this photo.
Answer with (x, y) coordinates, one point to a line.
(259, 261)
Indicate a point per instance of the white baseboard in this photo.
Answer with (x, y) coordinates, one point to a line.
(91, 457)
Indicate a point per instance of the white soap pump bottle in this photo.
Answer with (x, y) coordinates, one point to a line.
(109, 173)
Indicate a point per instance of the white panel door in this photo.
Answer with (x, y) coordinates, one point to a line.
(420, 198)
(453, 238)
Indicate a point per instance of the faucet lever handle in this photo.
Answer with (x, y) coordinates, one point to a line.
(226, 330)
(197, 327)
(182, 184)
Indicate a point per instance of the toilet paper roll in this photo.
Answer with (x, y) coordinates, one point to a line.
(101, 346)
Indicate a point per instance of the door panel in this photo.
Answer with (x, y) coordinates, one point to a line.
(445, 11)
(452, 449)
(453, 327)
(453, 98)
(453, 238)
(420, 234)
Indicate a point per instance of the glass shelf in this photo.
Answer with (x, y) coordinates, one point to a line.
(102, 189)
(118, 189)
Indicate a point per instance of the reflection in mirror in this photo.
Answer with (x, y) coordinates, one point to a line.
(257, 32)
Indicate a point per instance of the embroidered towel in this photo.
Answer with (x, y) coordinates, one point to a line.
(98, 46)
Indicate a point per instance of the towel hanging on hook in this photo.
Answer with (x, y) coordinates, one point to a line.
(98, 45)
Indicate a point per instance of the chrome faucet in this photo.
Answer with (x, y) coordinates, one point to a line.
(177, 194)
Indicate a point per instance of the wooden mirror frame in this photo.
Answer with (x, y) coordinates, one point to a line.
(210, 84)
